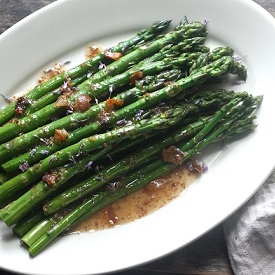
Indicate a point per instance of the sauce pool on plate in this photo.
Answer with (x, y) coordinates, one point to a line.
(140, 203)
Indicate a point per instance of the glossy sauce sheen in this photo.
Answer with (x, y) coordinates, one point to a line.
(140, 203)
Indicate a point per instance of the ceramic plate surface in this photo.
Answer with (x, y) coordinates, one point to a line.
(61, 32)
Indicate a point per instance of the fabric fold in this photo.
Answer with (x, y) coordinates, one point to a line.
(250, 233)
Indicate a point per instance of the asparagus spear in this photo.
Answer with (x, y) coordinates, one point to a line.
(144, 35)
(29, 200)
(74, 120)
(87, 145)
(129, 163)
(94, 90)
(109, 173)
(42, 227)
(28, 222)
(21, 206)
(192, 44)
(7, 189)
(12, 212)
(187, 31)
(58, 226)
(52, 96)
(207, 57)
(218, 67)
(138, 179)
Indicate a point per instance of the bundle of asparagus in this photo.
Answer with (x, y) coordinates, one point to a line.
(144, 102)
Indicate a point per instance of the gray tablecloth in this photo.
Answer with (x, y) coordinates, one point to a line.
(250, 233)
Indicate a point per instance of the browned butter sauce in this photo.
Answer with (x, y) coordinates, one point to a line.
(140, 203)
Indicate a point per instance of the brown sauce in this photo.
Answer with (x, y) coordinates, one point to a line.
(140, 203)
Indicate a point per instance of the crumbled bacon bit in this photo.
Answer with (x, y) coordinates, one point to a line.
(83, 103)
(135, 76)
(60, 135)
(67, 90)
(62, 101)
(111, 103)
(172, 155)
(50, 178)
(21, 104)
(112, 55)
(92, 50)
(105, 115)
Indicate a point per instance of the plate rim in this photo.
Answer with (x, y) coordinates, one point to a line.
(60, 3)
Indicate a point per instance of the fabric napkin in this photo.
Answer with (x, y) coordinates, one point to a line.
(250, 233)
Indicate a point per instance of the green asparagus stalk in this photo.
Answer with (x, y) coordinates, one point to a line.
(22, 205)
(42, 227)
(32, 174)
(244, 120)
(109, 173)
(87, 145)
(219, 67)
(129, 163)
(74, 120)
(207, 57)
(204, 100)
(12, 212)
(40, 241)
(6, 176)
(144, 35)
(51, 97)
(138, 179)
(28, 222)
(187, 31)
(93, 90)
(45, 115)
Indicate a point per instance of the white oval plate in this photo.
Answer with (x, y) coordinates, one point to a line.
(60, 32)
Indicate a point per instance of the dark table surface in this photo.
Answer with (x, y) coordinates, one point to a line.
(208, 255)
